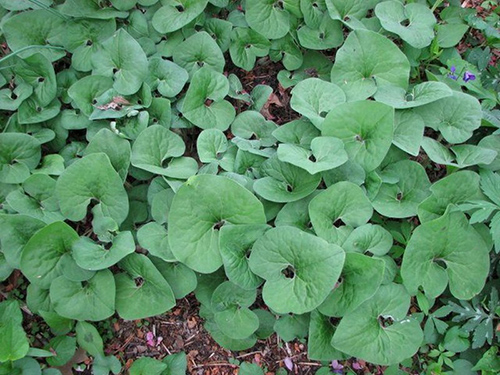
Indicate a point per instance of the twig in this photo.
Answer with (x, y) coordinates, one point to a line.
(249, 354)
(217, 365)
(310, 364)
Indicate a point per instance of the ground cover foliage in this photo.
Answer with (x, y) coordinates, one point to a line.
(361, 215)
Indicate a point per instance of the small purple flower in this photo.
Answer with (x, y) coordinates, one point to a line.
(469, 76)
(356, 366)
(452, 74)
(288, 363)
(337, 367)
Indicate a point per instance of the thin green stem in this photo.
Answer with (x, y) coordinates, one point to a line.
(49, 9)
(5, 58)
(436, 4)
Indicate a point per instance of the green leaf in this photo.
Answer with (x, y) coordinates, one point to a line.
(154, 147)
(327, 153)
(89, 339)
(268, 18)
(347, 9)
(336, 210)
(246, 46)
(19, 154)
(15, 231)
(43, 253)
(141, 291)
(298, 267)
(92, 256)
(408, 131)
(284, 182)
(440, 253)
(414, 23)
(449, 35)
(327, 34)
(359, 74)
(363, 334)
(204, 103)
(154, 238)
(200, 208)
(456, 340)
(211, 144)
(182, 279)
(366, 127)
(291, 326)
(177, 364)
(235, 242)
(92, 177)
(147, 366)
(122, 58)
(92, 300)
(85, 92)
(360, 279)
(197, 51)
(175, 14)
(369, 238)
(419, 95)
(14, 344)
(252, 125)
(315, 98)
(167, 77)
(64, 348)
(90, 9)
(299, 132)
(43, 24)
(400, 199)
(456, 116)
(319, 345)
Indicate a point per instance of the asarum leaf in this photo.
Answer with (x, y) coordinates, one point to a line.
(408, 131)
(315, 98)
(366, 127)
(284, 182)
(319, 345)
(92, 256)
(182, 279)
(89, 339)
(43, 24)
(167, 77)
(92, 178)
(14, 343)
(32, 112)
(359, 74)
(19, 154)
(10, 100)
(92, 300)
(363, 333)
(246, 46)
(328, 34)
(211, 145)
(419, 95)
(253, 125)
(204, 103)
(226, 341)
(154, 238)
(198, 51)
(200, 208)
(347, 9)
(175, 14)
(220, 30)
(90, 9)
(299, 132)
(155, 146)
(141, 291)
(446, 251)
(231, 310)
(268, 17)
(235, 244)
(336, 210)
(299, 269)
(296, 214)
(359, 281)
(286, 50)
(326, 153)
(454, 189)
(369, 238)
(401, 199)
(456, 116)
(122, 58)
(414, 23)
(42, 255)
(85, 92)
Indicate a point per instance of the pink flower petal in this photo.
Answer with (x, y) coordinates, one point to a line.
(288, 363)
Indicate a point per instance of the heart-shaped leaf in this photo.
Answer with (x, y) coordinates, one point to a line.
(175, 14)
(359, 75)
(365, 333)
(204, 103)
(419, 95)
(141, 291)
(446, 251)
(337, 209)
(268, 18)
(299, 268)
(19, 154)
(366, 127)
(246, 46)
(200, 208)
(101, 182)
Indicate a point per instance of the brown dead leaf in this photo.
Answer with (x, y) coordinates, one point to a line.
(79, 357)
(116, 104)
(191, 323)
(272, 100)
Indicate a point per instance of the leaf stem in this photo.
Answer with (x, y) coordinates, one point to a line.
(5, 58)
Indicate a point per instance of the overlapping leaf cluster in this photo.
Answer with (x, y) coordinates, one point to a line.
(134, 170)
